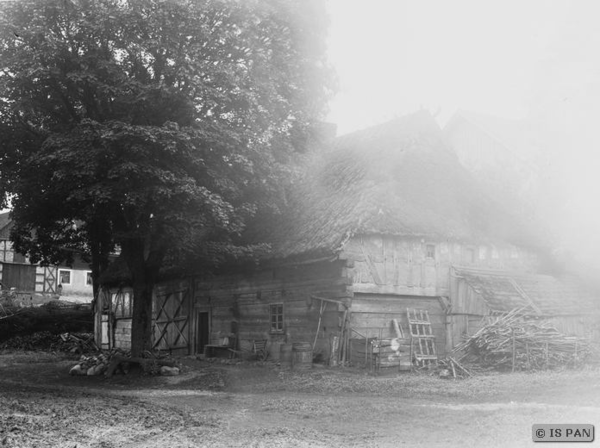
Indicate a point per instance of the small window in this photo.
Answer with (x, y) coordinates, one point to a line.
(470, 255)
(88, 279)
(430, 251)
(64, 277)
(276, 314)
(122, 305)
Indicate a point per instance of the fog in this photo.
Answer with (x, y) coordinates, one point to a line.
(533, 61)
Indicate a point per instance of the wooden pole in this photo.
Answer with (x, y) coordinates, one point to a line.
(323, 306)
(398, 330)
(513, 350)
(341, 356)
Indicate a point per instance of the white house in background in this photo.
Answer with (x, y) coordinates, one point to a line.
(75, 282)
(35, 284)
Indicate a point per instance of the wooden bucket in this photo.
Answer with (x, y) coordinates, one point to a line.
(302, 356)
(285, 356)
(405, 364)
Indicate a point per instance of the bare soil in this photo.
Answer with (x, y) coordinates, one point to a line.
(256, 405)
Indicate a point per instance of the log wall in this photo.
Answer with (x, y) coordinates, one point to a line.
(242, 300)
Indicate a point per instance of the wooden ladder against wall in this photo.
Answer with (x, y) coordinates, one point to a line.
(423, 339)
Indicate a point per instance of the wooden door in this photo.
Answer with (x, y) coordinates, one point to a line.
(202, 331)
(18, 276)
(171, 319)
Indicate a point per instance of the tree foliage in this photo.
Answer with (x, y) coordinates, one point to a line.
(154, 126)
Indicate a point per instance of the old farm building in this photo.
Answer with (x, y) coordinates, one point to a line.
(385, 219)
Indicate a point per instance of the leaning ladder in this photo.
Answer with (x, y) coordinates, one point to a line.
(423, 339)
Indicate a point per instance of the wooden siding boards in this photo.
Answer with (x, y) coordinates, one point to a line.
(244, 299)
(372, 314)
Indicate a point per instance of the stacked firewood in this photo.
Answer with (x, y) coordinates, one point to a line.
(514, 341)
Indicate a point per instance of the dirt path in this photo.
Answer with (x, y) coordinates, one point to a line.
(256, 406)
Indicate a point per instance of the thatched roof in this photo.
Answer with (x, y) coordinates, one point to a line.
(503, 291)
(398, 178)
(516, 136)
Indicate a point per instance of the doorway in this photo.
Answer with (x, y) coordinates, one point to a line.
(202, 331)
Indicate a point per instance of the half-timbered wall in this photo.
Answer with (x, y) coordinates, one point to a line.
(420, 267)
(170, 312)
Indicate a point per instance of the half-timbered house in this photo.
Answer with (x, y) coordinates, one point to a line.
(383, 219)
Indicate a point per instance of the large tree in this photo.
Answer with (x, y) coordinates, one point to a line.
(151, 126)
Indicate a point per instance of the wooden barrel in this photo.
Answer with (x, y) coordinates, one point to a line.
(302, 356)
(285, 356)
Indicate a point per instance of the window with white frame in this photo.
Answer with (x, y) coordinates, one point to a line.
(276, 317)
(430, 251)
(64, 276)
(470, 255)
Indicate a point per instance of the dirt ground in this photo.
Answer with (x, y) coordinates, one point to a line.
(257, 405)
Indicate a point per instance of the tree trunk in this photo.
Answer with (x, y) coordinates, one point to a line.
(144, 266)
(141, 322)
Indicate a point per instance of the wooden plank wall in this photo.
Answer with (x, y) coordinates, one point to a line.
(459, 327)
(245, 299)
(582, 326)
(372, 316)
(465, 300)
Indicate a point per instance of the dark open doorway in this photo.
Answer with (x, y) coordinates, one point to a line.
(202, 331)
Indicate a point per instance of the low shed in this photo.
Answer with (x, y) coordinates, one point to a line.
(475, 293)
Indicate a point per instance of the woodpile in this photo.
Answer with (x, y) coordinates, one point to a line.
(119, 361)
(515, 341)
(55, 317)
(45, 341)
(451, 368)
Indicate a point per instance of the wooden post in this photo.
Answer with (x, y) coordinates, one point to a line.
(322, 309)
(513, 350)
(341, 356)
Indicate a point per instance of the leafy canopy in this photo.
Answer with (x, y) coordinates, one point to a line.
(154, 125)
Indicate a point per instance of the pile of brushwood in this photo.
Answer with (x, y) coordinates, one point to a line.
(48, 342)
(515, 341)
(55, 317)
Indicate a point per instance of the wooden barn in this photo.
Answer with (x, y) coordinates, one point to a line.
(379, 226)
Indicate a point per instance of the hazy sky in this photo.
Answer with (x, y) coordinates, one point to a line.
(534, 59)
(396, 56)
